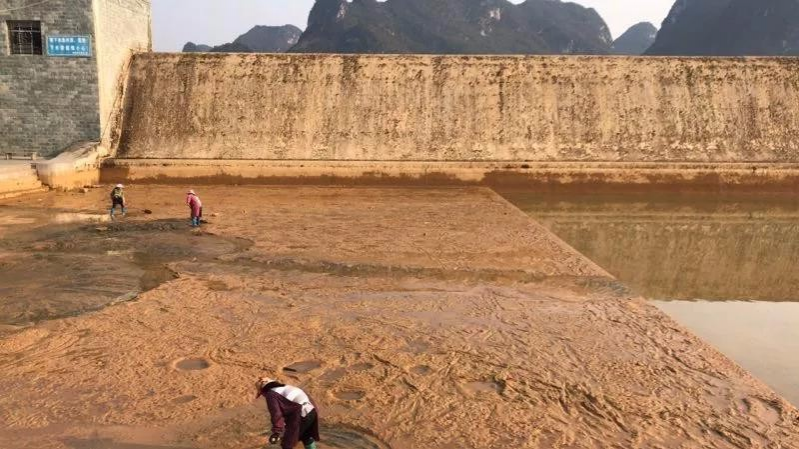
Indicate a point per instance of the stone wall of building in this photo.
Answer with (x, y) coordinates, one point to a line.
(47, 103)
(462, 108)
(123, 28)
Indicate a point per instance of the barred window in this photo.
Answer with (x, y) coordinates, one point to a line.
(25, 37)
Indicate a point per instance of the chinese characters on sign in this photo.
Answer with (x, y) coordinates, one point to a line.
(74, 46)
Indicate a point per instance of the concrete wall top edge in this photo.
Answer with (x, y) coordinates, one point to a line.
(200, 55)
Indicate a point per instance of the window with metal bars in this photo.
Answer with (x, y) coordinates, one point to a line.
(25, 37)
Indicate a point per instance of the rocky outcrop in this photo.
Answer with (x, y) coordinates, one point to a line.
(267, 39)
(730, 28)
(191, 47)
(454, 27)
(636, 40)
(260, 39)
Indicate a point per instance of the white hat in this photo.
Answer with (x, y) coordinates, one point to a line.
(261, 383)
(120, 186)
(191, 192)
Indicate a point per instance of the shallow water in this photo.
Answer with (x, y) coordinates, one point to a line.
(59, 267)
(725, 266)
(761, 336)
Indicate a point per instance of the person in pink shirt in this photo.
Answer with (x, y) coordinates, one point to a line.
(196, 206)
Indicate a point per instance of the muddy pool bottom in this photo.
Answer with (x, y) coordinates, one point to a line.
(66, 269)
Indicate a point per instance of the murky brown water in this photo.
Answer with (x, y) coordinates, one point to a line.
(723, 265)
(66, 264)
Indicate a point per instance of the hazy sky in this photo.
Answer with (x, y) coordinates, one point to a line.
(215, 22)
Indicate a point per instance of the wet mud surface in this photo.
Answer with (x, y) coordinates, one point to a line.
(371, 318)
(68, 268)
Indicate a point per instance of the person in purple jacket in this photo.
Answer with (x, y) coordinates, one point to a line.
(294, 416)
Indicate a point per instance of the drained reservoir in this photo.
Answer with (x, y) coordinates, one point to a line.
(724, 265)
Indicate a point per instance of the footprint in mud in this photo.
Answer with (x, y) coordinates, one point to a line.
(365, 366)
(184, 399)
(343, 437)
(333, 375)
(418, 347)
(421, 370)
(481, 388)
(192, 364)
(303, 367)
(218, 286)
(337, 374)
(762, 410)
(350, 395)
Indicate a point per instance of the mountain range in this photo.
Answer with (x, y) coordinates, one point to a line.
(693, 27)
(636, 40)
(454, 26)
(260, 39)
(730, 28)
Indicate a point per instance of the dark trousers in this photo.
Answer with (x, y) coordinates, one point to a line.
(306, 426)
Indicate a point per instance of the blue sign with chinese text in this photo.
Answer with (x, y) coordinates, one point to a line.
(69, 46)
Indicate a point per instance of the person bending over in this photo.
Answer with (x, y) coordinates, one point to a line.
(294, 416)
(196, 208)
(118, 199)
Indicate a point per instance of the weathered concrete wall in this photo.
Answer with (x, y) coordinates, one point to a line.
(462, 108)
(47, 103)
(123, 28)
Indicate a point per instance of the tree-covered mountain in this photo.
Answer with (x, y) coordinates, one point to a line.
(730, 28)
(636, 40)
(454, 27)
(260, 39)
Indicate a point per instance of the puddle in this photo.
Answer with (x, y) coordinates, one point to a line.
(192, 364)
(65, 270)
(303, 367)
(483, 387)
(350, 395)
(700, 255)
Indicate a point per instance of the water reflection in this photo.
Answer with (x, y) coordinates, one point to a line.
(696, 246)
(699, 255)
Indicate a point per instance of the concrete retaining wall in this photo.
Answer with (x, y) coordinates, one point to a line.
(461, 108)
(17, 178)
(123, 28)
